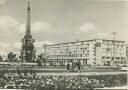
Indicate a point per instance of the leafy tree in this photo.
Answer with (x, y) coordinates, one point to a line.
(10, 56)
(1, 58)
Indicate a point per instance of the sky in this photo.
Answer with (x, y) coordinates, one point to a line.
(56, 21)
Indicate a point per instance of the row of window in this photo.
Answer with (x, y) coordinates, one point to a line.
(116, 54)
(117, 58)
(81, 50)
(69, 53)
(113, 42)
(112, 46)
(78, 55)
(112, 49)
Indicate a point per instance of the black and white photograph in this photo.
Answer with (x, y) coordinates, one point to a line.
(63, 44)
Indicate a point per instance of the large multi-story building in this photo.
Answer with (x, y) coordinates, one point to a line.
(88, 52)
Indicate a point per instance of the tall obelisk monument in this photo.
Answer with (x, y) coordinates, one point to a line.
(28, 51)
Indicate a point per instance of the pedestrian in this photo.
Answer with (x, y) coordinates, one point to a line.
(78, 65)
(73, 66)
(82, 66)
(68, 67)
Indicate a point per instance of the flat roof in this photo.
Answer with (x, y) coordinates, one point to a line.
(80, 41)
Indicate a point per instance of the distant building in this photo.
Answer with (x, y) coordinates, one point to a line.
(127, 53)
(88, 52)
(39, 50)
(5, 51)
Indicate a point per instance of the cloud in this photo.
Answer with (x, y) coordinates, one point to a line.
(37, 44)
(9, 26)
(42, 26)
(2, 1)
(41, 43)
(21, 28)
(86, 28)
(17, 45)
(101, 35)
(92, 31)
(37, 27)
(4, 45)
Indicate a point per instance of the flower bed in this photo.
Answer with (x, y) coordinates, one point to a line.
(61, 82)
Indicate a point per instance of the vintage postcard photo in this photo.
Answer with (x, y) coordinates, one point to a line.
(63, 44)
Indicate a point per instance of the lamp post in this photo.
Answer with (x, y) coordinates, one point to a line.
(114, 51)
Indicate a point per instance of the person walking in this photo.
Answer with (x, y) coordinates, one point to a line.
(68, 66)
(78, 65)
(82, 66)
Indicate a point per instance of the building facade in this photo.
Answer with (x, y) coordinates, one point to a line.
(89, 52)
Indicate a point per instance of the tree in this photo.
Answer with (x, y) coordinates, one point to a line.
(1, 58)
(10, 56)
(43, 58)
(39, 60)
